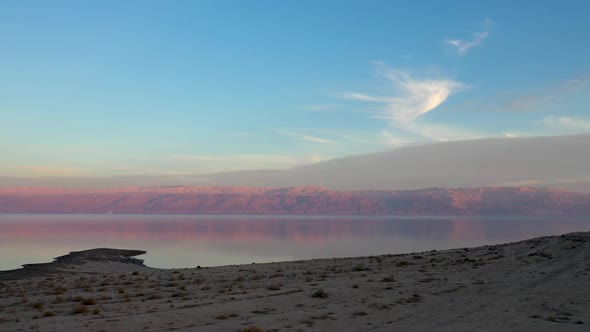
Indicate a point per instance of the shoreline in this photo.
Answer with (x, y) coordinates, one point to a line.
(540, 284)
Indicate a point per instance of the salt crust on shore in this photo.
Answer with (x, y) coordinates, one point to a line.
(540, 284)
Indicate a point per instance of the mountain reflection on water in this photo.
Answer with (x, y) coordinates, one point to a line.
(188, 241)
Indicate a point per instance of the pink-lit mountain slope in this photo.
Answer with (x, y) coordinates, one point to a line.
(297, 201)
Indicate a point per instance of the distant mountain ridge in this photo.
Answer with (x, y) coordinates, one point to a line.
(305, 200)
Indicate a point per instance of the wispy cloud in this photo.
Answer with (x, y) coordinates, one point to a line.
(316, 139)
(441, 132)
(201, 163)
(544, 97)
(391, 140)
(464, 45)
(345, 136)
(275, 158)
(576, 84)
(54, 171)
(284, 132)
(358, 140)
(303, 137)
(567, 123)
(59, 148)
(526, 103)
(411, 99)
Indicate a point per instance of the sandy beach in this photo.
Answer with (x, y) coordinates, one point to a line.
(540, 284)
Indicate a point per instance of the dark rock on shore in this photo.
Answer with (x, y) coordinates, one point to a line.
(76, 261)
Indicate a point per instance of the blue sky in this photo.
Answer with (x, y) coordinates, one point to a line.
(184, 87)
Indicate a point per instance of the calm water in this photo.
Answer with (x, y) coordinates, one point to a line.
(188, 241)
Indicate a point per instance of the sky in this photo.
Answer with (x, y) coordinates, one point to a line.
(102, 88)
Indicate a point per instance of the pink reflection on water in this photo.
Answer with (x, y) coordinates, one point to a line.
(182, 241)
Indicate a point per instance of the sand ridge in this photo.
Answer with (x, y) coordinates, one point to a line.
(541, 284)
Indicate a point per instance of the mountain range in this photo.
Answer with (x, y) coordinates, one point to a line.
(296, 201)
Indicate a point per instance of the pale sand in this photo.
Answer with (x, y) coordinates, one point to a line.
(535, 285)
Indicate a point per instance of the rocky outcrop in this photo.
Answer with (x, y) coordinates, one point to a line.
(102, 255)
(93, 261)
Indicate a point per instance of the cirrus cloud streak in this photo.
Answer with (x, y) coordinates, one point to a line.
(411, 99)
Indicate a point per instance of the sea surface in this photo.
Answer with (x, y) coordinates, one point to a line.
(175, 241)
